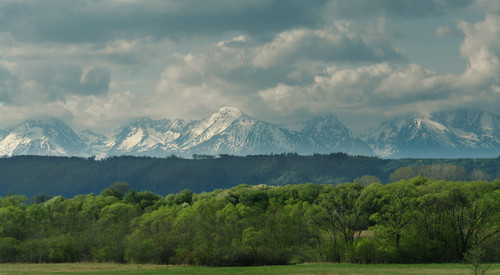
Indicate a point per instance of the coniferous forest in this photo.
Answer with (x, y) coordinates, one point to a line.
(408, 221)
(71, 176)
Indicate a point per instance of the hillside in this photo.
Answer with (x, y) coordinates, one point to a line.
(70, 176)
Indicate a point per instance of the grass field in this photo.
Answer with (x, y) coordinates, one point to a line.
(92, 268)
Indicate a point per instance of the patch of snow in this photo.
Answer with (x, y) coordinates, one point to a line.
(132, 140)
(11, 142)
(435, 125)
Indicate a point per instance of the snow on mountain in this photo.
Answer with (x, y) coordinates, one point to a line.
(230, 131)
(460, 133)
(473, 129)
(147, 137)
(215, 124)
(326, 134)
(41, 137)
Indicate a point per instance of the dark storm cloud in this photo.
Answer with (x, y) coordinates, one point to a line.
(93, 21)
(55, 83)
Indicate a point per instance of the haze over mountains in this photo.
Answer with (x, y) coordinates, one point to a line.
(447, 134)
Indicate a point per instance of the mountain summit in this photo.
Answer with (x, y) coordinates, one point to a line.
(228, 131)
(460, 133)
(446, 134)
(41, 137)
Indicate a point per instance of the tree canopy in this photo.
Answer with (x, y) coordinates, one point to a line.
(409, 221)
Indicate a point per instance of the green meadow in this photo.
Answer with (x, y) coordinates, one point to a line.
(107, 268)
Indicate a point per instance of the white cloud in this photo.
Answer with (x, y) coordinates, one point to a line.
(488, 6)
(236, 39)
(481, 48)
(337, 43)
(186, 58)
(384, 86)
(196, 84)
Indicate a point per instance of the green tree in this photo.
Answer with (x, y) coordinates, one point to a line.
(185, 196)
(366, 180)
(396, 213)
(117, 189)
(152, 240)
(112, 227)
(9, 249)
(402, 173)
(341, 214)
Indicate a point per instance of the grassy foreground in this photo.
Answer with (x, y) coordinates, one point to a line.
(93, 268)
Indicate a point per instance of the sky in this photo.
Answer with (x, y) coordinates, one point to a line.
(99, 64)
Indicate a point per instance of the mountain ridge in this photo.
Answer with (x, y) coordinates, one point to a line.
(458, 133)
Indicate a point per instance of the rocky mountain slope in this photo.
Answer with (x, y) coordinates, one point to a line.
(228, 131)
(460, 133)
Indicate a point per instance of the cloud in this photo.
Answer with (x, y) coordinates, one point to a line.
(92, 21)
(335, 44)
(56, 82)
(8, 85)
(395, 8)
(102, 61)
(491, 7)
(481, 48)
(384, 87)
(445, 32)
(233, 71)
(94, 81)
(194, 86)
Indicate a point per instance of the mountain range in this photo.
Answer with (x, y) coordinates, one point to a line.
(446, 134)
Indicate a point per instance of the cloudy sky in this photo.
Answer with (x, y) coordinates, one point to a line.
(97, 64)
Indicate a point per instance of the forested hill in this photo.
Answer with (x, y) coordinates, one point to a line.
(70, 176)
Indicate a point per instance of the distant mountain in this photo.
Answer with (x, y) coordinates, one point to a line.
(41, 137)
(326, 134)
(460, 133)
(446, 134)
(228, 131)
(146, 137)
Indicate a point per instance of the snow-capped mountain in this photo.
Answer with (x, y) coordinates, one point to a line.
(476, 130)
(460, 133)
(228, 131)
(41, 137)
(326, 134)
(146, 137)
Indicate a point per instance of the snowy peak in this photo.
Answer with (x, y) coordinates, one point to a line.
(41, 137)
(228, 113)
(214, 125)
(221, 119)
(327, 134)
(326, 126)
(460, 133)
(146, 137)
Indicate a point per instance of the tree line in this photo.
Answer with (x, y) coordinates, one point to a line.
(31, 175)
(408, 221)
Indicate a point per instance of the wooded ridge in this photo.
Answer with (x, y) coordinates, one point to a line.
(70, 176)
